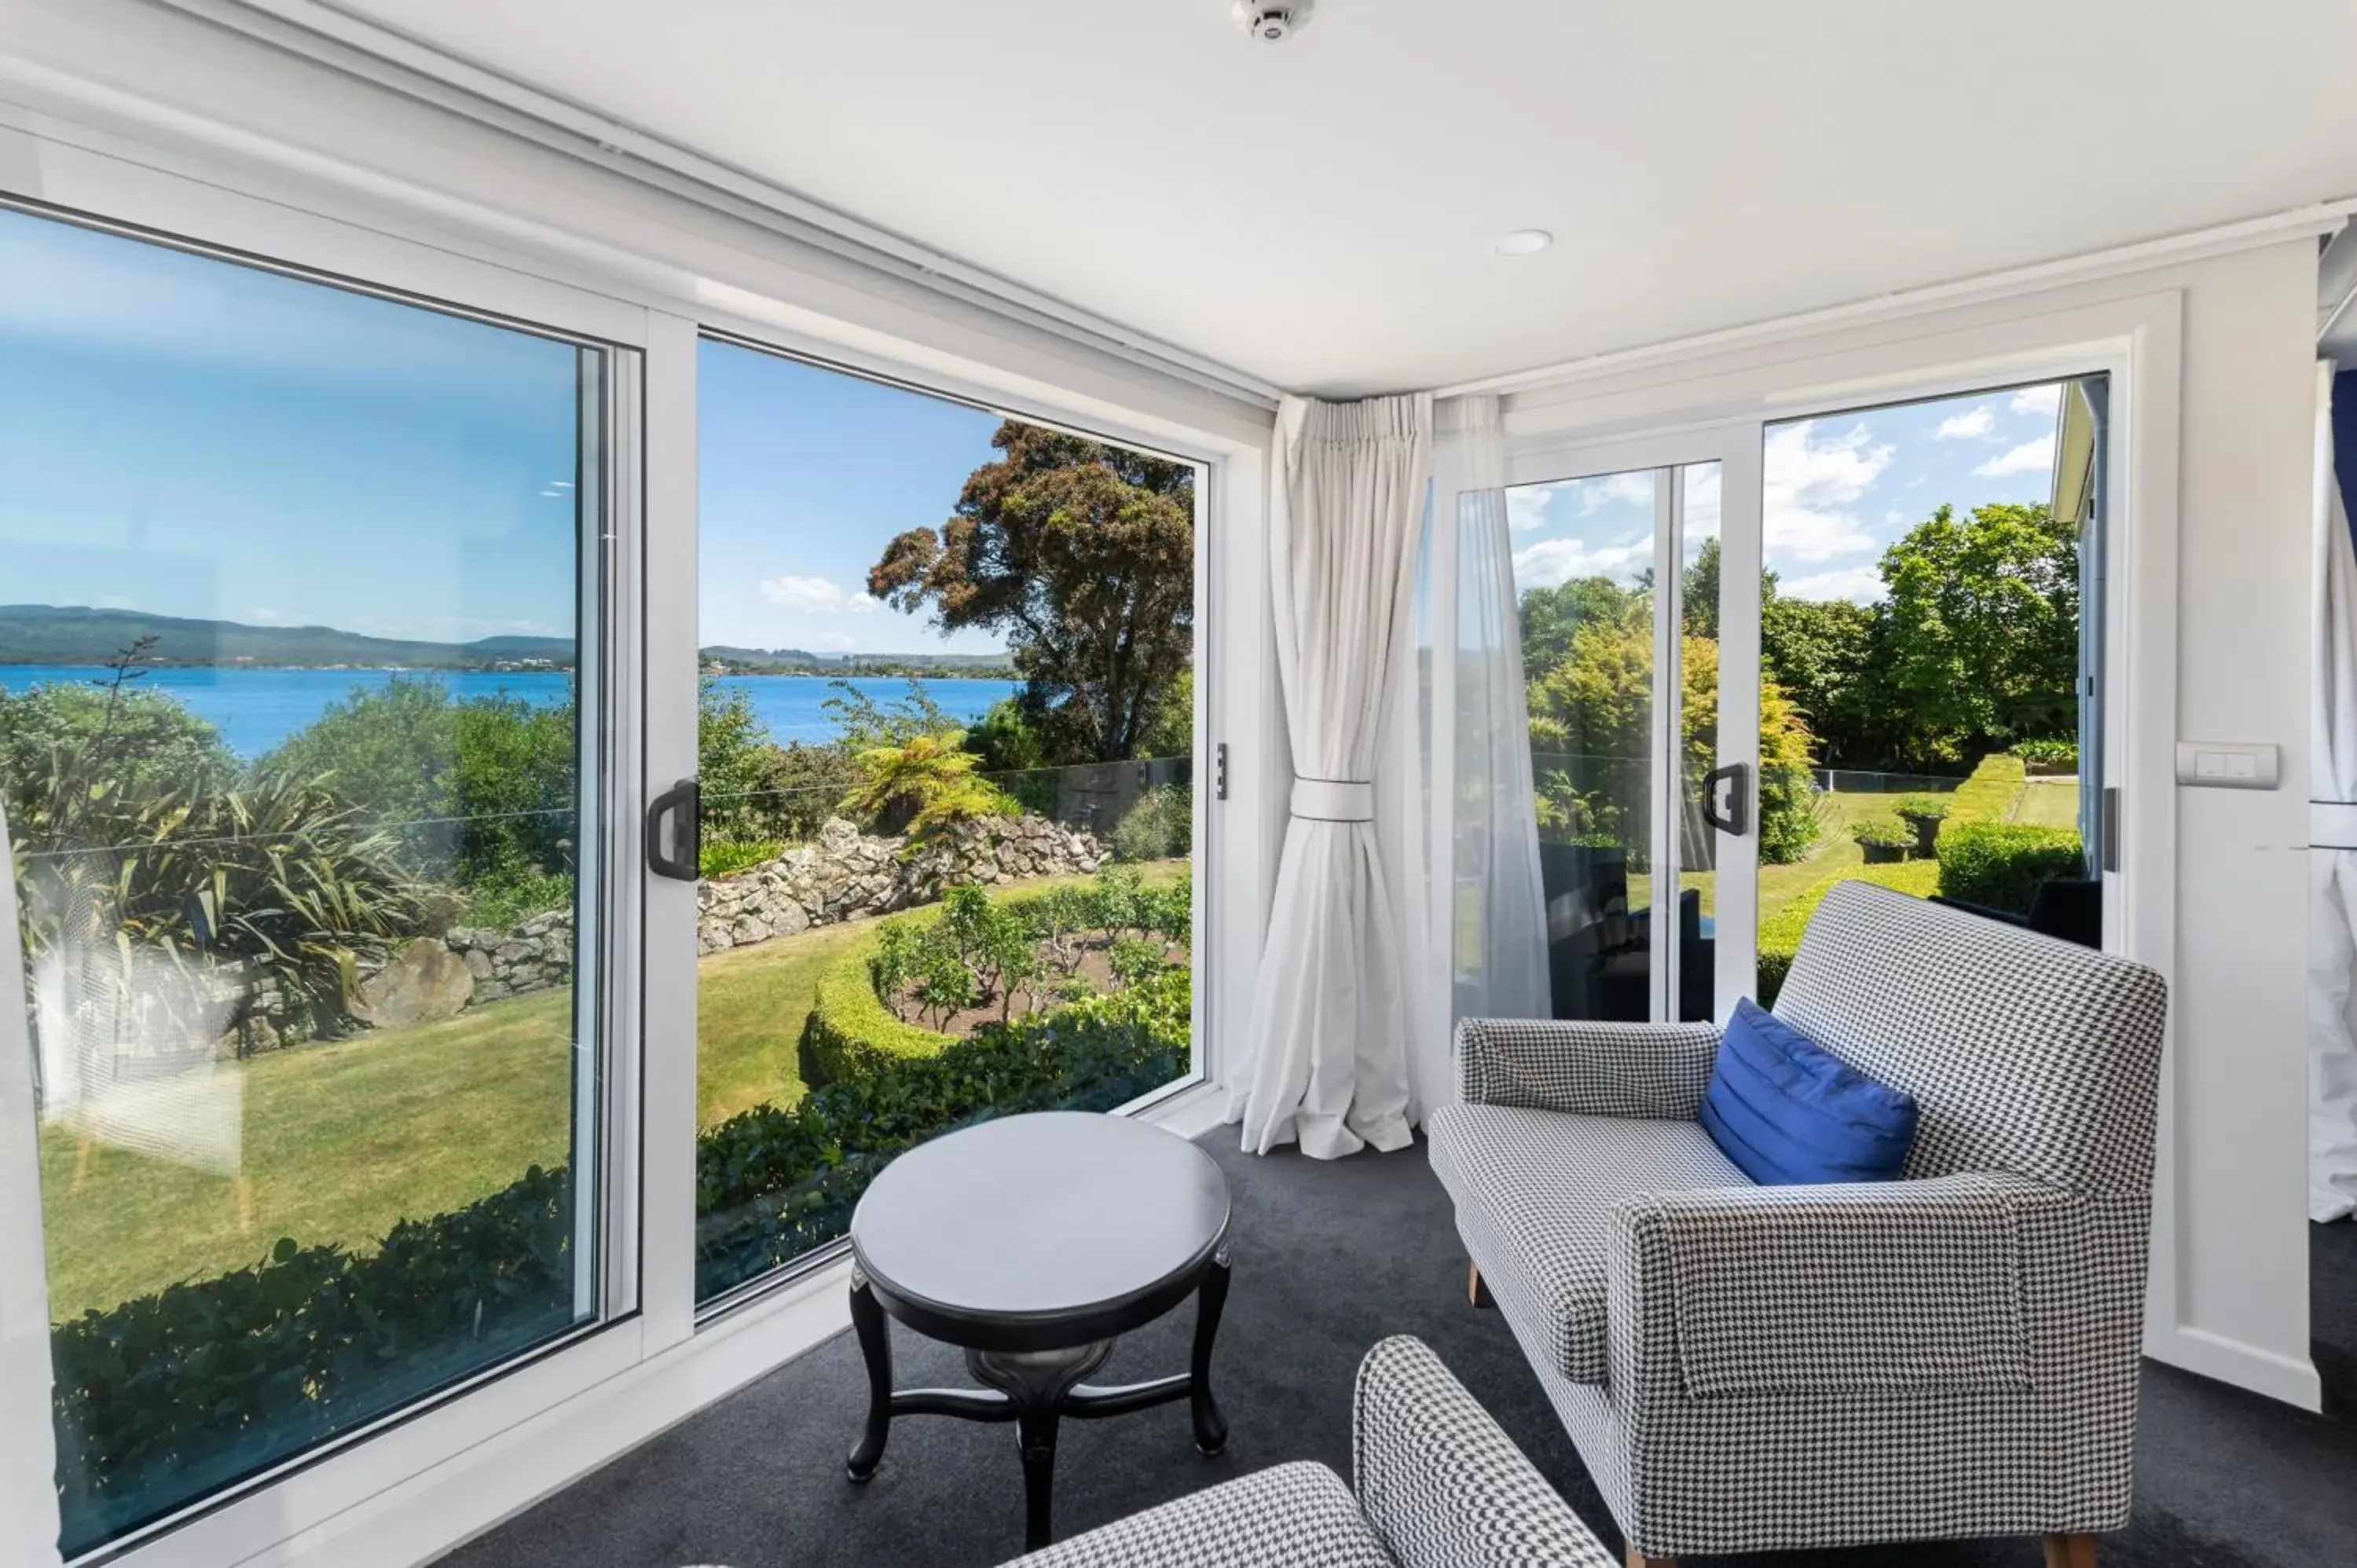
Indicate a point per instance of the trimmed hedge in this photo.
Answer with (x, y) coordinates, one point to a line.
(850, 1033)
(2000, 864)
(1987, 795)
(202, 1382)
(1780, 933)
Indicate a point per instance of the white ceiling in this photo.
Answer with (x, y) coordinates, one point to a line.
(1318, 212)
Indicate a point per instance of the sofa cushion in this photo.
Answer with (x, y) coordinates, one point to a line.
(1542, 1185)
(1790, 1112)
(1289, 1516)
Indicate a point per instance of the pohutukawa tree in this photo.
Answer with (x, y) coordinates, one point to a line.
(1081, 555)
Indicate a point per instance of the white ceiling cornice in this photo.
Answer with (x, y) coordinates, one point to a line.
(331, 37)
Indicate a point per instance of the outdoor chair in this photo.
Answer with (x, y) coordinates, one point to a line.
(1754, 1369)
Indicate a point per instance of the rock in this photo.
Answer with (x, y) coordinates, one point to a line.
(838, 836)
(424, 982)
(478, 964)
(791, 919)
(751, 929)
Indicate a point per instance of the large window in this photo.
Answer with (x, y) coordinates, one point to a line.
(299, 720)
(945, 741)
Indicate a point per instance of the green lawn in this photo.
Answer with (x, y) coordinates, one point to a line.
(1834, 851)
(338, 1141)
(2049, 804)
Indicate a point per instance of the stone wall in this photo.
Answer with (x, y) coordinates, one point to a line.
(846, 875)
(843, 876)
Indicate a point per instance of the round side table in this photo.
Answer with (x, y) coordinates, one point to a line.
(1033, 1242)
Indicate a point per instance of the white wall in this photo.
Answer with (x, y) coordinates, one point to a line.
(2218, 470)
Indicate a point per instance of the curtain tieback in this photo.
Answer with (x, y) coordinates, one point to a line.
(1334, 799)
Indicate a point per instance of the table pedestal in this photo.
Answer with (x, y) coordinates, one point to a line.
(1035, 1389)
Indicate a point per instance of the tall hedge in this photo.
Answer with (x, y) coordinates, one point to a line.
(1780, 933)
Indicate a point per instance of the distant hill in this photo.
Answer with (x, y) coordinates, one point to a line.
(57, 634)
(795, 660)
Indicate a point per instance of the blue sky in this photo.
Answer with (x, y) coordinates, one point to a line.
(1836, 492)
(191, 437)
(805, 475)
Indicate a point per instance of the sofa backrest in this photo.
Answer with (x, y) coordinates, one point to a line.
(2024, 1054)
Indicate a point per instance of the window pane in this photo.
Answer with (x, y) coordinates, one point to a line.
(1920, 624)
(1698, 842)
(948, 831)
(292, 752)
(1584, 572)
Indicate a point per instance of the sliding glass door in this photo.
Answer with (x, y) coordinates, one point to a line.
(1765, 657)
(945, 767)
(303, 755)
(1617, 576)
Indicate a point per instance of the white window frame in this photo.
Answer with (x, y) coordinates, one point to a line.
(427, 1477)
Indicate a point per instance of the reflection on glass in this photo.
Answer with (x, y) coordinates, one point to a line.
(946, 749)
(1584, 572)
(290, 753)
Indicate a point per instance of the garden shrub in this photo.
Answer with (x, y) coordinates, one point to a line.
(850, 1033)
(2048, 756)
(1780, 933)
(725, 857)
(2000, 864)
(212, 1378)
(1921, 808)
(1882, 832)
(1161, 826)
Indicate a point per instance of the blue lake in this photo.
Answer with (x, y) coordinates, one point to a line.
(254, 709)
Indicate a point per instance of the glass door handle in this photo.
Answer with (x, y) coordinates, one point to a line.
(1735, 780)
(684, 807)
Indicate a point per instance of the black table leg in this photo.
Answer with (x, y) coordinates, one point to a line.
(1038, 1381)
(875, 1346)
(1210, 1426)
(1035, 1432)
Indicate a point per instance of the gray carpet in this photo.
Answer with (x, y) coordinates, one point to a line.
(1329, 1258)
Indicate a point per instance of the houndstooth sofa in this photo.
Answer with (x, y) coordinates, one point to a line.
(1751, 1368)
(1440, 1487)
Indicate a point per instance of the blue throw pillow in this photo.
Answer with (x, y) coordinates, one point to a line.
(1788, 1111)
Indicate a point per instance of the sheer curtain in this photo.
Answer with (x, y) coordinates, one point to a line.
(28, 1493)
(1327, 1062)
(1497, 915)
(2333, 840)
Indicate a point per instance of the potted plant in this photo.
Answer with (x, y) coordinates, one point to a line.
(1924, 813)
(1884, 839)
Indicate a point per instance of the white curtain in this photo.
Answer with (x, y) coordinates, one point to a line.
(1327, 1062)
(2333, 840)
(28, 1495)
(1497, 910)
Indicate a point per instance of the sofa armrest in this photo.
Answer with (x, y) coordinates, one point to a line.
(1595, 1069)
(1442, 1485)
(1855, 1287)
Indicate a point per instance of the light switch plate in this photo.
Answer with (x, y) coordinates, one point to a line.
(2227, 764)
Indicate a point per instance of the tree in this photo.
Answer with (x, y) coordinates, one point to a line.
(1983, 627)
(1822, 653)
(1083, 556)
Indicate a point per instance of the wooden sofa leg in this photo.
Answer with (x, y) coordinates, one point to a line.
(2070, 1551)
(1638, 1560)
(1475, 1291)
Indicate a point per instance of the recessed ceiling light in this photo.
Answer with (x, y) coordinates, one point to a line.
(1521, 243)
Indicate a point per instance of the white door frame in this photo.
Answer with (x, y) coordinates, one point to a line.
(1734, 445)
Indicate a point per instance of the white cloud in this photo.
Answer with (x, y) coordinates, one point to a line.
(1806, 483)
(1551, 563)
(2030, 458)
(263, 613)
(2042, 400)
(1971, 424)
(828, 641)
(1702, 506)
(1862, 585)
(815, 595)
(1527, 507)
(1633, 488)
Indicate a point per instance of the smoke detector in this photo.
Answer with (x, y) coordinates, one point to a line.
(1273, 21)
